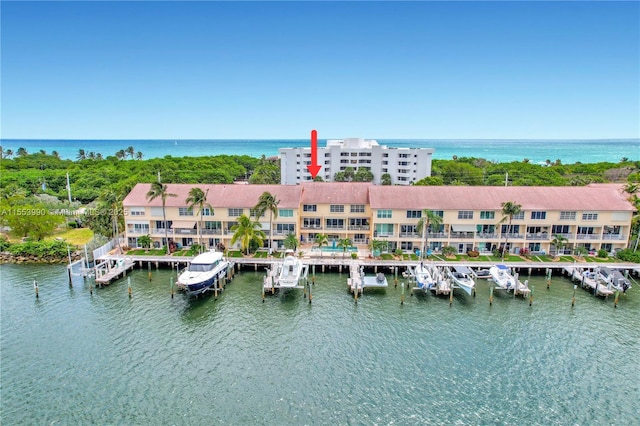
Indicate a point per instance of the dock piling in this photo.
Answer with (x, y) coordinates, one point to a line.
(490, 296)
(149, 269)
(171, 284)
(129, 286)
(573, 298)
(402, 294)
(531, 295)
(35, 287)
(615, 301)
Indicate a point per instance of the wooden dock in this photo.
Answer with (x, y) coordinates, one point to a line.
(112, 269)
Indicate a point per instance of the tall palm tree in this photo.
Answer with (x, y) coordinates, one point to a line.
(558, 242)
(344, 243)
(139, 155)
(509, 210)
(247, 231)
(8, 153)
(81, 154)
(197, 198)
(120, 155)
(160, 190)
(131, 151)
(322, 240)
(21, 152)
(267, 201)
(429, 219)
(56, 154)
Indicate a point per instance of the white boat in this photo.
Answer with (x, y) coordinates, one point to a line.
(613, 278)
(462, 277)
(588, 279)
(286, 274)
(290, 271)
(501, 275)
(424, 277)
(205, 271)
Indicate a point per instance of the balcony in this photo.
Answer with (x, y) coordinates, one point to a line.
(409, 235)
(359, 227)
(486, 235)
(538, 236)
(437, 235)
(311, 226)
(216, 231)
(467, 235)
(513, 235)
(587, 237)
(334, 227)
(617, 237)
(138, 231)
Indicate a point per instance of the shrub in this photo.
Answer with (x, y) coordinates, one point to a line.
(354, 255)
(473, 253)
(602, 253)
(629, 255)
(449, 251)
(73, 224)
(398, 252)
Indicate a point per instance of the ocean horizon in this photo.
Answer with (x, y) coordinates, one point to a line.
(538, 151)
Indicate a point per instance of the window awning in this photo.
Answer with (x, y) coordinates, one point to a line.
(186, 224)
(463, 228)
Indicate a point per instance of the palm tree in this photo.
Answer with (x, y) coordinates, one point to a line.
(509, 210)
(131, 151)
(160, 190)
(290, 242)
(121, 154)
(267, 201)
(322, 240)
(98, 156)
(22, 152)
(247, 231)
(429, 219)
(114, 201)
(8, 153)
(558, 242)
(81, 155)
(139, 155)
(344, 243)
(56, 154)
(197, 198)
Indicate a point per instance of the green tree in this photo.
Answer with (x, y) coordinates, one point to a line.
(322, 240)
(430, 181)
(348, 174)
(158, 190)
(33, 221)
(429, 219)
(130, 151)
(344, 243)
(81, 155)
(558, 242)
(291, 242)
(509, 210)
(267, 201)
(385, 179)
(247, 232)
(145, 241)
(363, 175)
(198, 199)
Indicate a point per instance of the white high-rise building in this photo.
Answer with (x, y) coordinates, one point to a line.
(404, 165)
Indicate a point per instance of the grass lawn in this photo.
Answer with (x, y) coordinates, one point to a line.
(183, 253)
(78, 236)
(261, 254)
(386, 256)
(144, 252)
(234, 253)
(410, 257)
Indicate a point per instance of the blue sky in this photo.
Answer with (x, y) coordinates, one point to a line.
(208, 70)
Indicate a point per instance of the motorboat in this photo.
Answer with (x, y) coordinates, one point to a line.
(290, 271)
(501, 275)
(204, 272)
(424, 277)
(462, 277)
(613, 278)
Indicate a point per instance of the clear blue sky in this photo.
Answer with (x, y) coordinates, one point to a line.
(427, 70)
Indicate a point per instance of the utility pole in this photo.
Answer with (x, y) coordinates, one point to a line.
(506, 179)
(69, 189)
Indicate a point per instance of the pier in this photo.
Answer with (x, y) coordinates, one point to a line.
(112, 268)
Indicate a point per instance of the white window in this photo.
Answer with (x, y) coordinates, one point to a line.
(589, 216)
(336, 208)
(567, 215)
(235, 212)
(384, 214)
(538, 215)
(357, 208)
(185, 211)
(465, 214)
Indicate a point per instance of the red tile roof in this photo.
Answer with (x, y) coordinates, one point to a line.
(568, 198)
(336, 192)
(224, 196)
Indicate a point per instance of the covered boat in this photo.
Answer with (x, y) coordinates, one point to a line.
(204, 272)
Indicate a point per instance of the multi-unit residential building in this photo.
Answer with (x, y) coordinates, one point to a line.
(404, 165)
(596, 216)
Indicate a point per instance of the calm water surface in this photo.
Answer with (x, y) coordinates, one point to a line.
(73, 358)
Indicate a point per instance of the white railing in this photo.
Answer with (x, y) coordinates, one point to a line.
(105, 249)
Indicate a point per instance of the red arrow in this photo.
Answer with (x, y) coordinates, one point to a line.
(314, 167)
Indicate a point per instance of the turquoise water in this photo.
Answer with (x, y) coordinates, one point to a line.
(537, 151)
(74, 358)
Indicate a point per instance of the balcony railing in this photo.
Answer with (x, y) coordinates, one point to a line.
(437, 235)
(621, 237)
(462, 234)
(409, 235)
(335, 227)
(311, 226)
(587, 237)
(486, 235)
(538, 236)
(138, 231)
(513, 235)
(359, 227)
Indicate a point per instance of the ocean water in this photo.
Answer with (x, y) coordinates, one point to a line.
(537, 151)
(70, 357)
